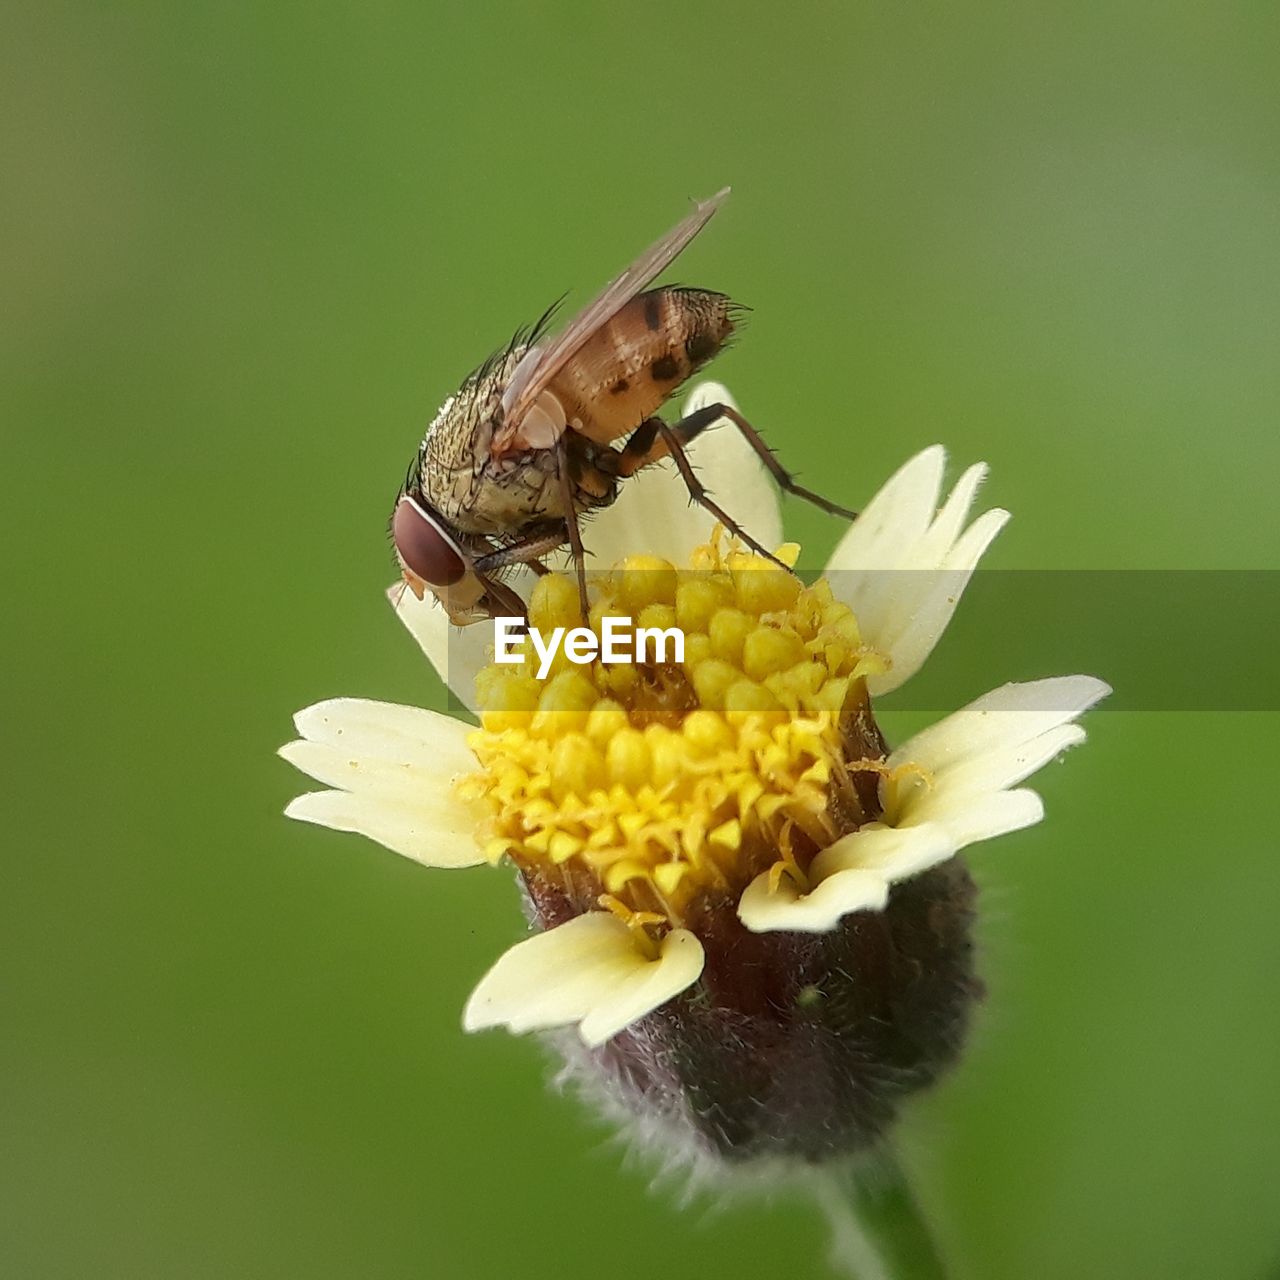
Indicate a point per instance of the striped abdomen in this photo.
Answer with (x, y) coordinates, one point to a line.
(634, 362)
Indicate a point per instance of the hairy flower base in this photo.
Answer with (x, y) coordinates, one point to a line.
(796, 1045)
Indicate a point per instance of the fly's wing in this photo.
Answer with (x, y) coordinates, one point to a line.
(540, 365)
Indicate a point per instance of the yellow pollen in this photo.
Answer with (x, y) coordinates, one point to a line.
(656, 790)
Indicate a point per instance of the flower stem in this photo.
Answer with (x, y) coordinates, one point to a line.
(878, 1231)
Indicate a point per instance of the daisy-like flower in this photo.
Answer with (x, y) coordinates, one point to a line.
(748, 906)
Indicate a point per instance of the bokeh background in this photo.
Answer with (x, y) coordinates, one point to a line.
(249, 247)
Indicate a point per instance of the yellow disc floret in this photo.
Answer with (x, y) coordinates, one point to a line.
(656, 786)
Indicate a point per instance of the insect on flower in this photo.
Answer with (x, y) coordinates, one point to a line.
(549, 426)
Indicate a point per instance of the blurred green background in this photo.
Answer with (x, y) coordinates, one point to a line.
(250, 247)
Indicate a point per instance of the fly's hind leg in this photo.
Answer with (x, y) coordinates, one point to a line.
(692, 426)
(654, 440)
(571, 523)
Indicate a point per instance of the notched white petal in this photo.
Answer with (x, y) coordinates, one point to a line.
(436, 831)
(363, 729)
(394, 771)
(967, 763)
(765, 910)
(678, 967)
(1005, 718)
(409, 785)
(949, 521)
(998, 767)
(893, 519)
(926, 600)
(904, 564)
(587, 971)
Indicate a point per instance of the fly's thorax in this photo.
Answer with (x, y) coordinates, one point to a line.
(498, 497)
(520, 489)
(635, 361)
(456, 447)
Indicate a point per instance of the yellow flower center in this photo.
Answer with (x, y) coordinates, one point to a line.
(658, 788)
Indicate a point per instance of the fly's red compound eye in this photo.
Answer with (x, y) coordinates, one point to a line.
(423, 549)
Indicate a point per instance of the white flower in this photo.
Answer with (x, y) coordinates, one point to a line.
(953, 791)
(406, 778)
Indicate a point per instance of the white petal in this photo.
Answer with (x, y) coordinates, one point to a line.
(993, 769)
(553, 977)
(457, 653)
(435, 830)
(587, 970)
(897, 516)
(998, 815)
(1004, 719)
(653, 513)
(903, 565)
(404, 783)
(949, 522)
(678, 967)
(892, 853)
(963, 554)
(972, 758)
(925, 600)
(364, 728)
(765, 911)
(971, 818)
(974, 755)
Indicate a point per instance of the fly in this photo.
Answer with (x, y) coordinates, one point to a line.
(547, 429)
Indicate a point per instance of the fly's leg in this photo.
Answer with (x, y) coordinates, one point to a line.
(699, 494)
(571, 523)
(653, 440)
(643, 447)
(527, 550)
(689, 428)
(500, 600)
(782, 477)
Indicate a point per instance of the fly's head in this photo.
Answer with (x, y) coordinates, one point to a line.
(432, 558)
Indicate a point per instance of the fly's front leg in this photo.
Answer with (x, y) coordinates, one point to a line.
(527, 550)
(499, 599)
